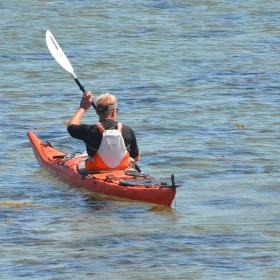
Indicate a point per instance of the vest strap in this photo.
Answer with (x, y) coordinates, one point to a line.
(119, 126)
(100, 127)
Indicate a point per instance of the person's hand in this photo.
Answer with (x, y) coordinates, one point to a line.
(86, 100)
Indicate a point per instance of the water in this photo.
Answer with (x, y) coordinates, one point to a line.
(199, 83)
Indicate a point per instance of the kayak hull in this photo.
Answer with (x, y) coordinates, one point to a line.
(108, 183)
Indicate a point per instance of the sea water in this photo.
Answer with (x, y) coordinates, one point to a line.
(198, 81)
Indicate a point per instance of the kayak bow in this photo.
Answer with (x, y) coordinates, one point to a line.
(128, 184)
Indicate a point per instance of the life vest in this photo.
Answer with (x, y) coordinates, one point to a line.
(112, 153)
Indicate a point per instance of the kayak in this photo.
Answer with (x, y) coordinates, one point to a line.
(127, 184)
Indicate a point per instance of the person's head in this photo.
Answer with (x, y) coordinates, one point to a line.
(106, 106)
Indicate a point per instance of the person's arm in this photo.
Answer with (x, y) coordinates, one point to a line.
(134, 151)
(137, 158)
(85, 104)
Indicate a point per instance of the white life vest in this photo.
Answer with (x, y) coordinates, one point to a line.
(112, 153)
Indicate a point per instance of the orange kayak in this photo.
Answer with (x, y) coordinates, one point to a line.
(128, 184)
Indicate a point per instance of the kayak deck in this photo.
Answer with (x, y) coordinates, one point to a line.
(128, 184)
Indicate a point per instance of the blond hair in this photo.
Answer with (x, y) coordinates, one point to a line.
(105, 103)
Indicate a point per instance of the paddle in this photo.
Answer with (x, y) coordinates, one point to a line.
(62, 59)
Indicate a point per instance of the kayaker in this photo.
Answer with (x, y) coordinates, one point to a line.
(109, 144)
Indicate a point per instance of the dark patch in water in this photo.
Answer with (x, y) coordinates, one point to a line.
(138, 88)
(26, 57)
(232, 203)
(163, 4)
(219, 33)
(43, 56)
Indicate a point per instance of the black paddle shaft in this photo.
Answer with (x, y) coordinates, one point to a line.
(84, 91)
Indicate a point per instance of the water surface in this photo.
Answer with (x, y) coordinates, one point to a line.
(199, 83)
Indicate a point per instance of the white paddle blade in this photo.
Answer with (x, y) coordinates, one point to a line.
(58, 54)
